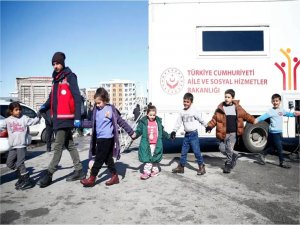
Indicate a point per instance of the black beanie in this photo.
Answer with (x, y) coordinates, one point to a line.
(59, 57)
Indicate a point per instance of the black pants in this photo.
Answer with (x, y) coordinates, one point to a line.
(104, 154)
(49, 134)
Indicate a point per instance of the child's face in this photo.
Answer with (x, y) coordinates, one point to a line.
(99, 102)
(151, 115)
(187, 103)
(228, 99)
(16, 112)
(276, 102)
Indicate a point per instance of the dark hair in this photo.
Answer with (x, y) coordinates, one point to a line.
(13, 106)
(276, 96)
(102, 93)
(231, 92)
(151, 108)
(188, 96)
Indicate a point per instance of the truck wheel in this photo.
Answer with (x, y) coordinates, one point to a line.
(255, 136)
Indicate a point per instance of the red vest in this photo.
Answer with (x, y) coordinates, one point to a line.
(65, 101)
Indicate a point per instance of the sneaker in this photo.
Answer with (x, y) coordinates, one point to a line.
(284, 165)
(145, 176)
(262, 159)
(154, 174)
(227, 168)
(233, 160)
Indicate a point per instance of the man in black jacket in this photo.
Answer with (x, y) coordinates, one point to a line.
(64, 102)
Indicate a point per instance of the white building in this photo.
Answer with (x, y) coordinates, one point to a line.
(122, 94)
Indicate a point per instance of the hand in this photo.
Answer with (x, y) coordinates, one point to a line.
(208, 129)
(39, 114)
(77, 123)
(173, 135)
(133, 136)
(42, 108)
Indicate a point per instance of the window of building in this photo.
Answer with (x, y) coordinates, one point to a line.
(232, 40)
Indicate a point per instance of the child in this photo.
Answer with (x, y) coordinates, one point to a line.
(18, 138)
(188, 116)
(229, 118)
(105, 137)
(275, 129)
(151, 147)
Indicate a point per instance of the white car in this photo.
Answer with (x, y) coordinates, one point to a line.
(37, 132)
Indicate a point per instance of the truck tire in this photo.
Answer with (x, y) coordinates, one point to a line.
(255, 136)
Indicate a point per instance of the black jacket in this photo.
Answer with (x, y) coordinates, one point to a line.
(72, 80)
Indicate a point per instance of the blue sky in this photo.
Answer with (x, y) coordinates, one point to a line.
(102, 40)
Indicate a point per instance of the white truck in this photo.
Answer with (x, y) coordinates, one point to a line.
(207, 47)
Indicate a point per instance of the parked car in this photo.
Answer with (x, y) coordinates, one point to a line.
(37, 132)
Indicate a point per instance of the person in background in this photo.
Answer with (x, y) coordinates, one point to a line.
(136, 112)
(276, 114)
(65, 104)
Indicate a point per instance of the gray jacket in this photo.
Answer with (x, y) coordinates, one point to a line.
(18, 131)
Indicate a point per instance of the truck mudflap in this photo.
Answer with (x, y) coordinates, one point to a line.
(255, 136)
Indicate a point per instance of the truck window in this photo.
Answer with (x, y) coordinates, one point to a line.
(232, 40)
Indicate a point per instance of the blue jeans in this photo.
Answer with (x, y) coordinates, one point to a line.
(274, 142)
(191, 140)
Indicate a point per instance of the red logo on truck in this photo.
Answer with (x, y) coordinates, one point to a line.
(287, 77)
(172, 81)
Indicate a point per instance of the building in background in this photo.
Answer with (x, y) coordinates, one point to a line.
(34, 91)
(90, 92)
(122, 94)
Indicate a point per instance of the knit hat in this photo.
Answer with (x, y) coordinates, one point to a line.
(59, 57)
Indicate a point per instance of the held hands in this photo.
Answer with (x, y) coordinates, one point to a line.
(77, 123)
(208, 129)
(39, 114)
(133, 136)
(173, 135)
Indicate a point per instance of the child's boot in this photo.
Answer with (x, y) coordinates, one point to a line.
(234, 160)
(114, 180)
(201, 169)
(90, 182)
(227, 168)
(18, 174)
(26, 182)
(178, 169)
(284, 164)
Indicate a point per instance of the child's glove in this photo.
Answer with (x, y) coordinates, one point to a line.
(173, 135)
(208, 129)
(77, 123)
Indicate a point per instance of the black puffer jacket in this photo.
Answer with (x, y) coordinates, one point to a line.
(52, 101)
